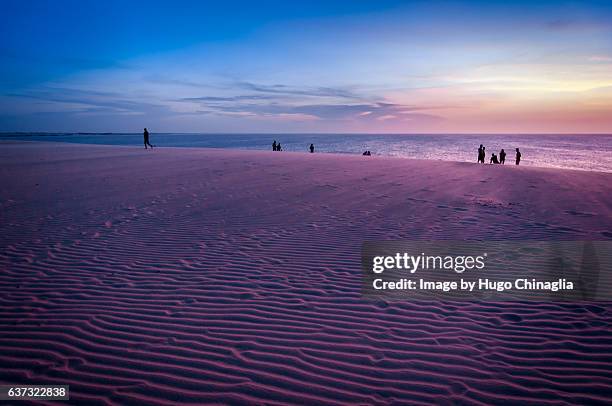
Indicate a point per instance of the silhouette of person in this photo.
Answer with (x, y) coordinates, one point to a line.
(274, 146)
(493, 159)
(146, 139)
(518, 156)
(482, 154)
(278, 147)
(311, 148)
(502, 156)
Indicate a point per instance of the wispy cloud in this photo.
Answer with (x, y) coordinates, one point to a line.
(91, 101)
(600, 58)
(217, 99)
(323, 111)
(578, 24)
(281, 89)
(300, 102)
(278, 90)
(561, 24)
(163, 80)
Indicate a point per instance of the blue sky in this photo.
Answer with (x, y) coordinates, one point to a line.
(354, 66)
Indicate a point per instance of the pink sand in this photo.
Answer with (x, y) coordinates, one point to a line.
(198, 275)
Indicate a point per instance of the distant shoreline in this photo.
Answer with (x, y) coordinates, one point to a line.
(260, 142)
(56, 133)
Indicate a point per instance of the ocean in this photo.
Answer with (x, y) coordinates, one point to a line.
(581, 151)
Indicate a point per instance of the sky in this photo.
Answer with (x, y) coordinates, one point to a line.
(306, 66)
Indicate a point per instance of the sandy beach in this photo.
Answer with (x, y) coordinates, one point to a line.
(201, 275)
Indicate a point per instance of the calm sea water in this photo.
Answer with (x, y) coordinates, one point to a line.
(584, 152)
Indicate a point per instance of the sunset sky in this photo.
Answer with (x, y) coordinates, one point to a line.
(354, 66)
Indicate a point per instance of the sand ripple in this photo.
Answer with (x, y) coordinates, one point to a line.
(143, 286)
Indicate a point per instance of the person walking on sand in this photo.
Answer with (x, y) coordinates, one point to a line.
(311, 148)
(518, 156)
(146, 139)
(502, 156)
(278, 147)
(274, 146)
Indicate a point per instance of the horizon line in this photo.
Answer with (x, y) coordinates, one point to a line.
(2, 133)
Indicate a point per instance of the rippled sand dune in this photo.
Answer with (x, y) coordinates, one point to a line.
(198, 275)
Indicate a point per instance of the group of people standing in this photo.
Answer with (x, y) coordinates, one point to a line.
(494, 160)
(276, 146)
